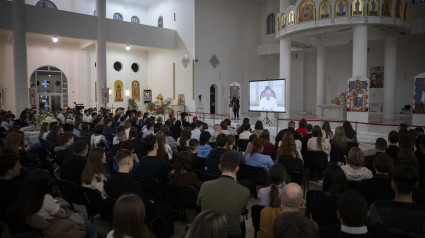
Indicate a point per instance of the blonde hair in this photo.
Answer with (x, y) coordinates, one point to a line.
(340, 136)
(355, 157)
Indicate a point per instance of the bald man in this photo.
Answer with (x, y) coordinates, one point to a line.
(291, 199)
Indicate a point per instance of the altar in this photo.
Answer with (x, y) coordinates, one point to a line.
(333, 111)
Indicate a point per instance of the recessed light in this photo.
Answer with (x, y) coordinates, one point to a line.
(55, 39)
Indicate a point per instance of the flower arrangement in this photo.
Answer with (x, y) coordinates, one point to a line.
(45, 117)
(166, 106)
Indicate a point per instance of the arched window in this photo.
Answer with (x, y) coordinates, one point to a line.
(160, 22)
(135, 19)
(271, 24)
(51, 88)
(118, 16)
(46, 4)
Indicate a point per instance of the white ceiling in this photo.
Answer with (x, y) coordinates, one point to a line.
(143, 3)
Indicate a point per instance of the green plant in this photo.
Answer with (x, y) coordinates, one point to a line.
(166, 106)
(132, 103)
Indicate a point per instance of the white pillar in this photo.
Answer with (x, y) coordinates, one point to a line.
(390, 66)
(20, 56)
(285, 69)
(360, 50)
(321, 81)
(101, 50)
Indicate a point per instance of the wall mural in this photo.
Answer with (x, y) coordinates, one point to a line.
(341, 8)
(291, 18)
(357, 8)
(282, 21)
(357, 96)
(376, 77)
(306, 12)
(135, 90)
(118, 86)
(324, 10)
(387, 8)
(373, 8)
(419, 96)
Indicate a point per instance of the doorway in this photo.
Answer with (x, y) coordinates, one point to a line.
(213, 93)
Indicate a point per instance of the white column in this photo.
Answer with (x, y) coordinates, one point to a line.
(101, 50)
(390, 66)
(360, 50)
(20, 56)
(321, 81)
(285, 69)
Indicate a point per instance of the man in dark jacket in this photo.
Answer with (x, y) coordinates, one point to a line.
(214, 156)
(72, 166)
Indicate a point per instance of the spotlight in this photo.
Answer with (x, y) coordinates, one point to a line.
(55, 39)
(127, 47)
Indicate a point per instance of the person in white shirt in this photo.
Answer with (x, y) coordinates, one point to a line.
(87, 117)
(196, 133)
(61, 117)
(268, 103)
(245, 134)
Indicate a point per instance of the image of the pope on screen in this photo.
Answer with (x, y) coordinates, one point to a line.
(267, 95)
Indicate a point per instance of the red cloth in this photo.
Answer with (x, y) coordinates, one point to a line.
(302, 131)
(269, 150)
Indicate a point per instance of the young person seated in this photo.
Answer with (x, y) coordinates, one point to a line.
(302, 127)
(317, 142)
(354, 169)
(64, 146)
(182, 174)
(380, 147)
(393, 149)
(209, 223)
(378, 187)
(292, 224)
(197, 162)
(196, 133)
(401, 216)
(277, 176)
(94, 174)
(10, 183)
(150, 165)
(225, 195)
(213, 159)
(269, 148)
(204, 147)
(257, 159)
(246, 132)
(72, 166)
(183, 140)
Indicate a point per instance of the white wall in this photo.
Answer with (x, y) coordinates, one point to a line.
(229, 30)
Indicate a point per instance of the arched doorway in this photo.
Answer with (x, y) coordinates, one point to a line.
(51, 88)
(213, 99)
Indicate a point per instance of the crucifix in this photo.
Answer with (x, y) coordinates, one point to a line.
(45, 83)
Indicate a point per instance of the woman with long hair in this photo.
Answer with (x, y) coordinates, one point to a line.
(269, 148)
(268, 196)
(34, 205)
(327, 131)
(301, 127)
(258, 128)
(94, 174)
(338, 145)
(354, 169)
(208, 224)
(14, 143)
(44, 130)
(322, 204)
(183, 140)
(129, 218)
(288, 148)
(350, 133)
(169, 139)
(98, 139)
(165, 153)
(317, 142)
(231, 141)
(182, 174)
(256, 159)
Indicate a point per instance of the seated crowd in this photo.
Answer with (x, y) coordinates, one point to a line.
(137, 165)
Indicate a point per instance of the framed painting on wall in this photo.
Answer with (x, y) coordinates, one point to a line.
(373, 8)
(306, 12)
(118, 86)
(324, 10)
(357, 96)
(357, 8)
(341, 8)
(147, 96)
(180, 100)
(135, 90)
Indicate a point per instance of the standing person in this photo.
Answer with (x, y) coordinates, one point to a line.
(225, 195)
(129, 218)
(235, 107)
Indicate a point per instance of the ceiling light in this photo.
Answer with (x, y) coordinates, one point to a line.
(127, 47)
(55, 39)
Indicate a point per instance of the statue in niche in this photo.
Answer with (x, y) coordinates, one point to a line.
(160, 99)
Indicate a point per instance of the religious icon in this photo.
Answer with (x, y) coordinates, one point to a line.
(118, 91)
(386, 8)
(357, 95)
(357, 8)
(160, 99)
(398, 9)
(341, 8)
(376, 77)
(406, 12)
(373, 8)
(180, 100)
(291, 18)
(147, 96)
(32, 96)
(135, 90)
(282, 21)
(419, 96)
(324, 10)
(306, 12)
